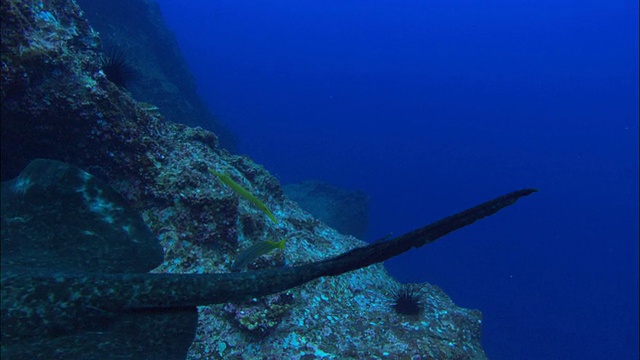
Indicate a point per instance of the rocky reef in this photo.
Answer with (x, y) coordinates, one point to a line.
(57, 103)
(344, 210)
(135, 30)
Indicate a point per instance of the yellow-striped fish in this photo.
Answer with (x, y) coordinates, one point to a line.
(250, 254)
(245, 194)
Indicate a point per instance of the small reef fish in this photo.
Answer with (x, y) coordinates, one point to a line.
(245, 194)
(150, 109)
(254, 251)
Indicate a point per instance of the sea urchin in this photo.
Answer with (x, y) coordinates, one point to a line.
(117, 68)
(407, 299)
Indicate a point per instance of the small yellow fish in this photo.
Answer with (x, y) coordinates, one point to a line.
(245, 194)
(250, 254)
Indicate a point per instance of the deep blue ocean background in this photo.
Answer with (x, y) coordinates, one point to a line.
(434, 106)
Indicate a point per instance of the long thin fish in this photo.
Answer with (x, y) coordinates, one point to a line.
(245, 194)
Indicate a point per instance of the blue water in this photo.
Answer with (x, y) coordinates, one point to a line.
(434, 106)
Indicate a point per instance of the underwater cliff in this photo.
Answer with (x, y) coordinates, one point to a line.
(59, 103)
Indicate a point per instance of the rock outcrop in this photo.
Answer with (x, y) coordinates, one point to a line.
(344, 210)
(58, 104)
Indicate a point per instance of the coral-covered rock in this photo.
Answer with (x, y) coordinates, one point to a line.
(58, 104)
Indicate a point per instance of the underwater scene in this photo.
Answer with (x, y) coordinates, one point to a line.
(319, 180)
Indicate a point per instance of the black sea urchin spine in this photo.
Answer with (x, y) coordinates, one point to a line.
(407, 299)
(117, 68)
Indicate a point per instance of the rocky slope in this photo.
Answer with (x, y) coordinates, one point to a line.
(57, 103)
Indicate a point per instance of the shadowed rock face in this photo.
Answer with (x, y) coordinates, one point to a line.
(136, 28)
(344, 210)
(67, 240)
(75, 262)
